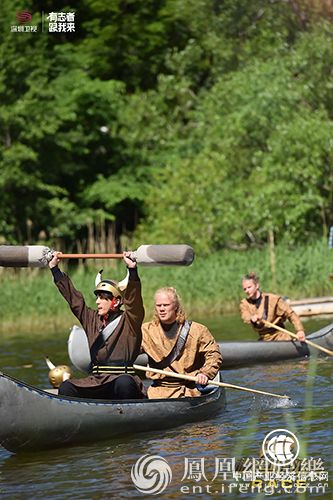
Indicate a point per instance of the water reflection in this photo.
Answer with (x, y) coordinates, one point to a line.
(102, 470)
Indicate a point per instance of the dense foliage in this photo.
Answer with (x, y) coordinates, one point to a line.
(200, 121)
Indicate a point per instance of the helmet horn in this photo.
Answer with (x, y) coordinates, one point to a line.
(123, 284)
(98, 278)
(49, 363)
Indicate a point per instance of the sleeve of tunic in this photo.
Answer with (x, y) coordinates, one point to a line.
(76, 302)
(245, 312)
(286, 312)
(133, 303)
(211, 352)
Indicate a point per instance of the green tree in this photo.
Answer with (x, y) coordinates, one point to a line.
(258, 156)
(202, 100)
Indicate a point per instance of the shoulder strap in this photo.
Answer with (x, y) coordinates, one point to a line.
(177, 349)
(265, 315)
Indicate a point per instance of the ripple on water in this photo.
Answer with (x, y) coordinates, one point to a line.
(102, 470)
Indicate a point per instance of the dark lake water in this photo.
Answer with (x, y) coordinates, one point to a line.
(194, 453)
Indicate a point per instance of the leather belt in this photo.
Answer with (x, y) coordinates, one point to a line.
(172, 383)
(112, 370)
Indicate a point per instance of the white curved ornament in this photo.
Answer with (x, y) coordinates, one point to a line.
(123, 284)
(98, 278)
(49, 363)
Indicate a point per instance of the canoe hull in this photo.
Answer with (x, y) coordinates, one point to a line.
(253, 352)
(32, 419)
(250, 352)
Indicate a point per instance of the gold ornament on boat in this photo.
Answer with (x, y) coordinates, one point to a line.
(58, 374)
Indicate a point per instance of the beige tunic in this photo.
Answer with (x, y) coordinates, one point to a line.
(278, 312)
(200, 353)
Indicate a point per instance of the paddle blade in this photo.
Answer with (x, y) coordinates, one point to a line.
(164, 255)
(24, 256)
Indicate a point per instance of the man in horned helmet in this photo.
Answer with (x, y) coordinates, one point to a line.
(114, 336)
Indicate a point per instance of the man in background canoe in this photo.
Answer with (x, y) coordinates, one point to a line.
(175, 344)
(114, 336)
(259, 306)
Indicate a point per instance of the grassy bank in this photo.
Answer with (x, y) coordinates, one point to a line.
(211, 286)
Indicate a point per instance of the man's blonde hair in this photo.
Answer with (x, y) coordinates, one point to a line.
(251, 276)
(172, 292)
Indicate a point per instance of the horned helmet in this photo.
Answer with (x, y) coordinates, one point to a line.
(109, 286)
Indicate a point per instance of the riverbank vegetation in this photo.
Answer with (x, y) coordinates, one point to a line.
(201, 122)
(210, 287)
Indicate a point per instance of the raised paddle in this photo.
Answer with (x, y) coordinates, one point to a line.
(211, 382)
(148, 255)
(272, 325)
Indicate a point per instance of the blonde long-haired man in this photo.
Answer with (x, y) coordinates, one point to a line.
(177, 345)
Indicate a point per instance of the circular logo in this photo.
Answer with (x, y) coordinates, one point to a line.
(151, 474)
(24, 16)
(280, 447)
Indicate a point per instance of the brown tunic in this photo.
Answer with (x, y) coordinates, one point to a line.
(278, 312)
(123, 345)
(200, 354)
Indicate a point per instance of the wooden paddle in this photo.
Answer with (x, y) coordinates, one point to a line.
(272, 325)
(211, 382)
(146, 255)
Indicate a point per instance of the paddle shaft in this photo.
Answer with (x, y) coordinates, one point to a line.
(91, 256)
(211, 382)
(272, 325)
(167, 255)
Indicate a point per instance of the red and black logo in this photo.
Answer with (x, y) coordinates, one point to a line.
(23, 17)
